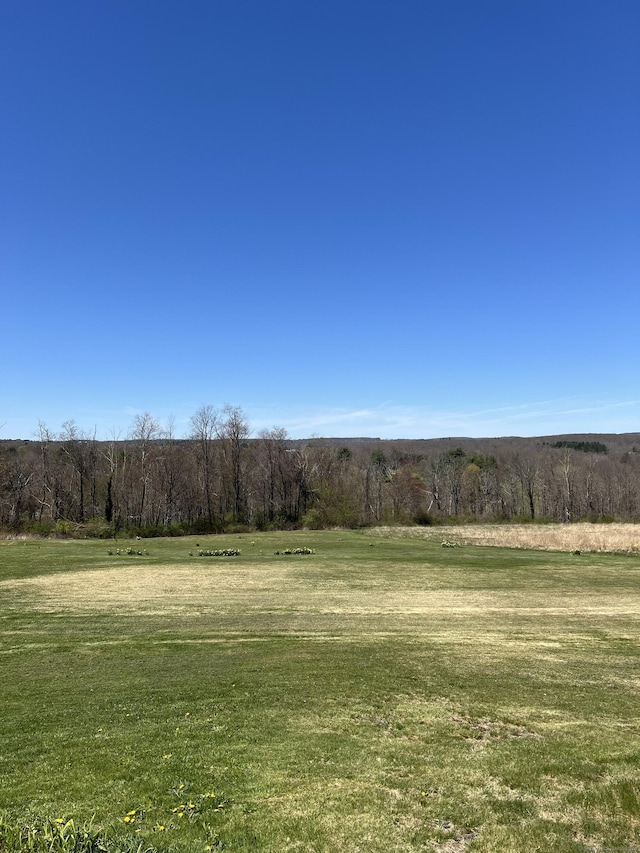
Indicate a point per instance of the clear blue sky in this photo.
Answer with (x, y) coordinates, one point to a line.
(410, 218)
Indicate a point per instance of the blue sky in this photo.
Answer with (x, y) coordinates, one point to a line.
(349, 217)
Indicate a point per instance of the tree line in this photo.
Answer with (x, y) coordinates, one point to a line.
(222, 478)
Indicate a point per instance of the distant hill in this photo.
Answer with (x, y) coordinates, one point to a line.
(613, 442)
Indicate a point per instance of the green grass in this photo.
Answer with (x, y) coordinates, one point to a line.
(379, 694)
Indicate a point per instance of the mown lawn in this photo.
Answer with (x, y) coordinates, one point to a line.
(378, 694)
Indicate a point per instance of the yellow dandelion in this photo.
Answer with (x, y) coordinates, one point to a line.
(59, 820)
(160, 828)
(132, 812)
(180, 814)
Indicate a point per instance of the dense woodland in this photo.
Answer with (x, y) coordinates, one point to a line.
(222, 478)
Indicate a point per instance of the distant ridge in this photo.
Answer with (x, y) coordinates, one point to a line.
(613, 439)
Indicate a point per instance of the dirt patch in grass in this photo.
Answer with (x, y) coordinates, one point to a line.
(455, 838)
(484, 730)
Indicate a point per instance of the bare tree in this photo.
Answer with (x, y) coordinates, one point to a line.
(45, 486)
(233, 433)
(16, 475)
(144, 431)
(74, 446)
(169, 467)
(527, 468)
(275, 484)
(204, 431)
(566, 468)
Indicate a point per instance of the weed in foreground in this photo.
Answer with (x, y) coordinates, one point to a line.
(46, 835)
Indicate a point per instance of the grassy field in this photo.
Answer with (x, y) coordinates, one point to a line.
(383, 693)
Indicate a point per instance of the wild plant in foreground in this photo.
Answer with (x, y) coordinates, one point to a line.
(63, 836)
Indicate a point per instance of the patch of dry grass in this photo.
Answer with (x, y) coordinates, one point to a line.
(618, 538)
(277, 589)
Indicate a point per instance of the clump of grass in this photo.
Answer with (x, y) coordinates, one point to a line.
(46, 835)
(219, 552)
(128, 552)
(195, 807)
(296, 551)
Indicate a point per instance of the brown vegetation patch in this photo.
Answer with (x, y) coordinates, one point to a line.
(484, 730)
(171, 588)
(620, 538)
(458, 838)
(142, 588)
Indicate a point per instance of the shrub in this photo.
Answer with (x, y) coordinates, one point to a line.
(39, 528)
(312, 520)
(63, 527)
(97, 528)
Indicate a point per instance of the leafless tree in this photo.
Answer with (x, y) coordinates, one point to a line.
(204, 431)
(144, 430)
(233, 433)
